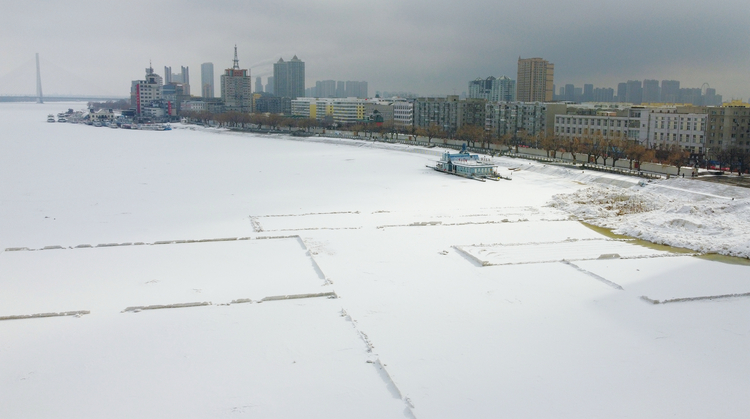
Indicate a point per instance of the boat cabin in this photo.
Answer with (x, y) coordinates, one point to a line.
(466, 164)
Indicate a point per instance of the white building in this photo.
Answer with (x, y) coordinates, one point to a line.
(145, 92)
(403, 113)
(608, 124)
(654, 127)
(677, 125)
(194, 105)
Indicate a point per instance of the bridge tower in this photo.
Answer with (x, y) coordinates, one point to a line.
(39, 98)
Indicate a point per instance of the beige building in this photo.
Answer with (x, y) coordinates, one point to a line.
(728, 125)
(236, 87)
(535, 80)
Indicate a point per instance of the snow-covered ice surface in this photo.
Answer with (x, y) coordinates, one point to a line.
(702, 216)
(412, 293)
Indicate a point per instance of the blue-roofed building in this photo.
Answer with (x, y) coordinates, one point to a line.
(468, 165)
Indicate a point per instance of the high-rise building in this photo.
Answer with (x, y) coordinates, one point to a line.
(340, 89)
(289, 78)
(651, 91)
(692, 96)
(183, 77)
(622, 92)
(670, 91)
(493, 89)
(710, 97)
(325, 88)
(570, 91)
(634, 92)
(145, 92)
(604, 94)
(356, 89)
(207, 80)
(588, 93)
(258, 85)
(269, 85)
(535, 82)
(236, 91)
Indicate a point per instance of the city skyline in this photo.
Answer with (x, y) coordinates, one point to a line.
(431, 50)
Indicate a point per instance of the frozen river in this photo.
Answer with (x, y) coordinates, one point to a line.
(212, 274)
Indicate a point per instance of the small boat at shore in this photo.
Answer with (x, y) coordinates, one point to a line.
(50, 118)
(470, 166)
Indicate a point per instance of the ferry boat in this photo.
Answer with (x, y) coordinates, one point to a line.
(467, 165)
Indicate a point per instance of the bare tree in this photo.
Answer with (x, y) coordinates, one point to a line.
(430, 132)
(470, 134)
(274, 120)
(550, 144)
(258, 119)
(677, 157)
(638, 153)
(573, 146)
(617, 149)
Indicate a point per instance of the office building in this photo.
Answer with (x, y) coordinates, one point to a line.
(289, 78)
(236, 87)
(258, 85)
(535, 81)
(269, 85)
(207, 80)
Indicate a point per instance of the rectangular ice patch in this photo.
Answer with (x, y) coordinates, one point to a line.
(569, 250)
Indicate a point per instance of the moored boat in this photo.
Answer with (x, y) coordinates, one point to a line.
(467, 165)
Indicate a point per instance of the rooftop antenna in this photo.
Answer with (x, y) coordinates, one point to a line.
(236, 61)
(38, 82)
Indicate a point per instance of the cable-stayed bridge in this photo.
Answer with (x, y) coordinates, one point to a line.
(25, 82)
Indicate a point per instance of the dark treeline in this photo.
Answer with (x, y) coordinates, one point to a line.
(595, 148)
(110, 104)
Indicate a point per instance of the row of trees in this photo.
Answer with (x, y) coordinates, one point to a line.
(596, 148)
(249, 120)
(733, 158)
(110, 104)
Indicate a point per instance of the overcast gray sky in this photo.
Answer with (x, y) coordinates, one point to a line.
(421, 46)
